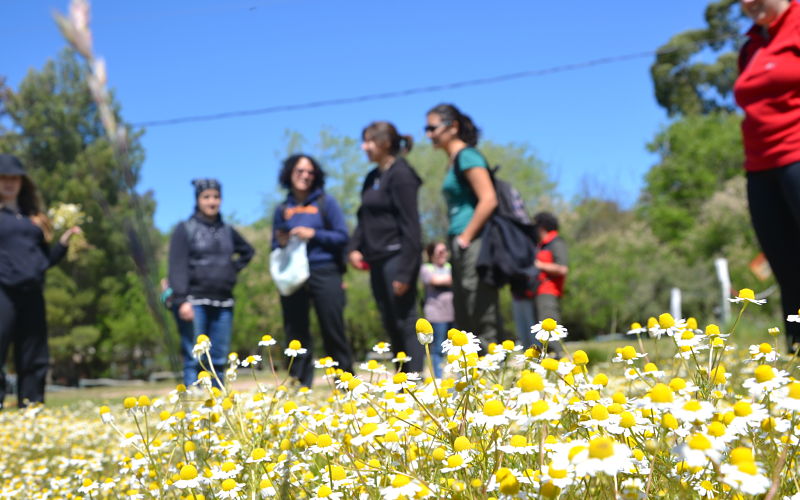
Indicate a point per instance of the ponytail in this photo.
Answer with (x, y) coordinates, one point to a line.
(467, 131)
(386, 134)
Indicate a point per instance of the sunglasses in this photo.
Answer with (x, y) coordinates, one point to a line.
(431, 128)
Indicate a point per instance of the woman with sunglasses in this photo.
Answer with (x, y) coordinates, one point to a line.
(471, 199)
(25, 255)
(388, 237)
(312, 215)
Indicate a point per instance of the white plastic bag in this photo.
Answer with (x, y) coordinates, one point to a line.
(289, 266)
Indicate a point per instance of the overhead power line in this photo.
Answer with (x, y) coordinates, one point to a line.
(397, 93)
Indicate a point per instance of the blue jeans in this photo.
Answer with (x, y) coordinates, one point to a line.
(524, 318)
(439, 336)
(216, 323)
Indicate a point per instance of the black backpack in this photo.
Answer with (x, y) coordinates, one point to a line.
(508, 246)
(339, 256)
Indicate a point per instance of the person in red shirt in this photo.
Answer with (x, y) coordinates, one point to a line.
(768, 90)
(552, 264)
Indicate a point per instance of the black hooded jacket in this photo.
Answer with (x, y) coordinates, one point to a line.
(201, 259)
(388, 219)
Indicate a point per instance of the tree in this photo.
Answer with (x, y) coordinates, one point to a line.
(694, 72)
(56, 131)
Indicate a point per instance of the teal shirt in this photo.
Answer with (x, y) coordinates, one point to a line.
(460, 199)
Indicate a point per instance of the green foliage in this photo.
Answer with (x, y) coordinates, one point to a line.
(694, 72)
(57, 133)
(698, 154)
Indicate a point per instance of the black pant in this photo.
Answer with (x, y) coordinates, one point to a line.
(774, 197)
(23, 323)
(399, 314)
(324, 288)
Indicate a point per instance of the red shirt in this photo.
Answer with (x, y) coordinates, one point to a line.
(768, 90)
(551, 285)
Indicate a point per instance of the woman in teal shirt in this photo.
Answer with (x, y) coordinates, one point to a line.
(471, 199)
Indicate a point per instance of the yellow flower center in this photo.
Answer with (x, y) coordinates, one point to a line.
(794, 390)
(400, 480)
(324, 440)
(628, 352)
(129, 403)
(518, 441)
(666, 320)
(650, 367)
(592, 395)
(692, 405)
(295, 345)
(550, 364)
(202, 338)
(369, 428)
(652, 322)
(557, 473)
(599, 412)
(748, 468)
(601, 448)
(580, 357)
(338, 473)
(493, 408)
(539, 407)
(258, 453)
(459, 338)
(549, 324)
(661, 393)
(508, 345)
(635, 326)
(424, 326)
(372, 365)
(228, 466)
(400, 377)
(529, 382)
(324, 491)
(228, 484)
(765, 348)
(669, 421)
(741, 454)
(712, 330)
(746, 293)
(455, 460)
(600, 379)
(764, 373)
(716, 429)
(627, 420)
(742, 409)
(462, 443)
(699, 442)
(188, 472)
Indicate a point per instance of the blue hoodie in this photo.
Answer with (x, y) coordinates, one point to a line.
(329, 239)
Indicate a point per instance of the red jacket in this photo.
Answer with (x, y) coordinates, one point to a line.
(549, 285)
(768, 90)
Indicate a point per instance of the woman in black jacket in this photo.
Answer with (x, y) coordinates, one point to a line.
(25, 255)
(202, 273)
(388, 237)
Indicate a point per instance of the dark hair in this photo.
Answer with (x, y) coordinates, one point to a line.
(386, 134)
(467, 131)
(285, 177)
(431, 247)
(546, 221)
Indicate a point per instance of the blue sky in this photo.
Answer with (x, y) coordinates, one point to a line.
(180, 58)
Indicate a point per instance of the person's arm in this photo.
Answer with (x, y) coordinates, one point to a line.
(178, 269)
(244, 250)
(558, 267)
(336, 237)
(404, 193)
(279, 235)
(551, 268)
(481, 183)
(442, 280)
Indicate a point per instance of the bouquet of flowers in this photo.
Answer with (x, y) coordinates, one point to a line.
(64, 216)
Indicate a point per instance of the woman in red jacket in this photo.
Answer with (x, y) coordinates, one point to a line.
(768, 90)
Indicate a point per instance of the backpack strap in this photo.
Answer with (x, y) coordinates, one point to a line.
(460, 173)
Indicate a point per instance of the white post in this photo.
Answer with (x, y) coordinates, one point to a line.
(724, 278)
(675, 303)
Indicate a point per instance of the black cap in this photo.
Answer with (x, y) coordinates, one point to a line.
(10, 165)
(201, 185)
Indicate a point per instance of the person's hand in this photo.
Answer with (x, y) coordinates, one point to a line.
(186, 311)
(68, 234)
(399, 288)
(462, 242)
(303, 232)
(282, 237)
(356, 259)
(537, 263)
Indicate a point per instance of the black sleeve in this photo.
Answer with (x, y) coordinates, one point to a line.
(559, 250)
(56, 252)
(404, 191)
(243, 249)
(178, 273)
(357, 239)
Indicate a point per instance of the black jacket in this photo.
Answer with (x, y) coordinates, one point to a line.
(205, 267)
(24, 253)
(388, 219)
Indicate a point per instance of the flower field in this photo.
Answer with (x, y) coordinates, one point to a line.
(703, 419)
